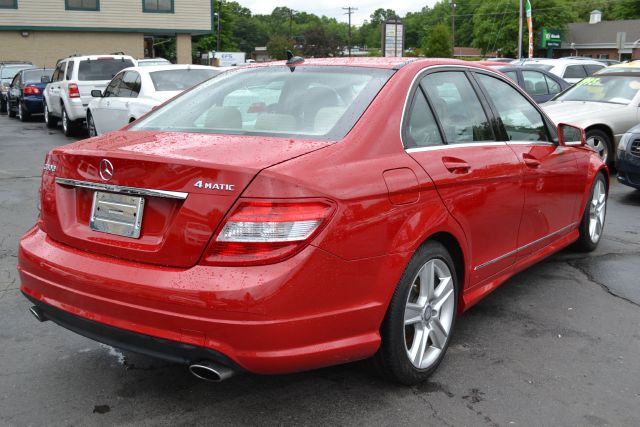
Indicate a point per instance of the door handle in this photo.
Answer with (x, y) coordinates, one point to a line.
(530, 160)
(455, 165)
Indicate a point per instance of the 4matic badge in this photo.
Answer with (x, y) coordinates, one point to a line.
(214, 186)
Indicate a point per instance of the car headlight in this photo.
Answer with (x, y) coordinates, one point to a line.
(624, 141)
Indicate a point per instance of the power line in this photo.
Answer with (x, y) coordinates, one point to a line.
(349, 12)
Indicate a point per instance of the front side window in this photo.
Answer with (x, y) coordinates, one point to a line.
(521, 120)
(113, 89)
(157, 6)
(82, 5)
(58, 73)
(513, 75)
(422, 129)
(313, 102)
(553, 86)
(457, 107)
(130, 87)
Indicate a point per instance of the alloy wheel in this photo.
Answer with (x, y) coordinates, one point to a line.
(20, 112)
(601, 147)
(46, 114)
(429, 313)
(65, 122)
(597, 209)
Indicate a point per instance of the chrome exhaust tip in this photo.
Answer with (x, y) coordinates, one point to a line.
(38, 314)
(210, 371)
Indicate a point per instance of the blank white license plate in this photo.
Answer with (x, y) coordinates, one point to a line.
(117, 214)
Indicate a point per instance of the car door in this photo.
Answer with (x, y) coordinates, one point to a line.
(54, 88)
(14, 93)
(478, 177)
(552, 179)
(127, 92)
(101, 110)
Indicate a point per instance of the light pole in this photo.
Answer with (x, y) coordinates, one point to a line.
(520, 29)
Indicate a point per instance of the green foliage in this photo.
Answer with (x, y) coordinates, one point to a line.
(437, 42)
(278, 47)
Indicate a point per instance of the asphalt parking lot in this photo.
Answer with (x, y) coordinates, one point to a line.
(558, 344)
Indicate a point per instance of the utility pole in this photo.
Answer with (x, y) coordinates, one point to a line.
(453, 27)
(218, 41)
(349, 12)
(520, 30)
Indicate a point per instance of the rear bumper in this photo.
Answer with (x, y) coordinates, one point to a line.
(171, 351)
(33, 104)
(309, 311)
(77, 109)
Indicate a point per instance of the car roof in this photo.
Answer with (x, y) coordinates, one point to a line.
(169, 67)
(97, 56)
(371, 62)
(557, 61)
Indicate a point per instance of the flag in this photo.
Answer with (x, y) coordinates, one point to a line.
(530, 26)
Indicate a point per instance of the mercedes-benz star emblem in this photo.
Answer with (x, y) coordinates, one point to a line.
(106, 169)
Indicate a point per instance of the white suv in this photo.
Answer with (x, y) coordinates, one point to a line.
(67, 96)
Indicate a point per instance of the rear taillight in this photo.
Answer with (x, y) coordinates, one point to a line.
(74, 92)
(263, 232)
(31, 90)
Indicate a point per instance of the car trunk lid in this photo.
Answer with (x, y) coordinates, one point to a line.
(210, 171)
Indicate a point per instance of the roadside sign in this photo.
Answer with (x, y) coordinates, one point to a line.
(550, 38)
(393, 38)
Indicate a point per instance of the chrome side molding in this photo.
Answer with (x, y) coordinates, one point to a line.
(132, 191)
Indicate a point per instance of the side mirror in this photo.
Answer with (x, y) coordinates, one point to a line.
(571, 135)
(45, 79)
(96, 93)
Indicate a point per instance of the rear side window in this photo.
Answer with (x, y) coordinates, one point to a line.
(70, 66)
(574, 72)
(101, 69)
(592, 68)
(457, 106)
(521, 120)
(174, 80)
(535, 83)
(422, 129)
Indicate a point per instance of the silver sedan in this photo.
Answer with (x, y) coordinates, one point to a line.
(605, 105)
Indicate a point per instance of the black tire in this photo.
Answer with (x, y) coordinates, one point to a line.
(587, 242)
(607, 154)
(49, 119)
(392, 359)
(23, 113)
(3, 105)
(68, 127)
(91, 125)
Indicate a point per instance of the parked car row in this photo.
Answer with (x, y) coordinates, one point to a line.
(104, 91)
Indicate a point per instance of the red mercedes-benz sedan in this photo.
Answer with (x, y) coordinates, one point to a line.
(295, 215)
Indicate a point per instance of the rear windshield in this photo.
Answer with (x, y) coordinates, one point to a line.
(545, 67)
(171, 80)
(312, 102)
(34, 76)
(101, 69)
(9, 71)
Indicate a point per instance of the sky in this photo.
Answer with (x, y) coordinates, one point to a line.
(333, 8)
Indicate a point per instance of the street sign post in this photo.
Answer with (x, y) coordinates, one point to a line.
(392, 38)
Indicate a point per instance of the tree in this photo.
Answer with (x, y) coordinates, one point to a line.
(437, 42)
(278, 46)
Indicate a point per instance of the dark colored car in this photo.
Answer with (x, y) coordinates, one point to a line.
(24, 97)
(541, 85)
(628, 158)
(8, 70)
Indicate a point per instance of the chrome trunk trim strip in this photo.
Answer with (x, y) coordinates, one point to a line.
(132, 191)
